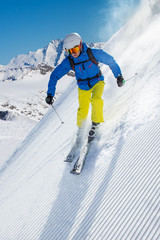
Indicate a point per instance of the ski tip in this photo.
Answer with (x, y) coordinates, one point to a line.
(69, 158)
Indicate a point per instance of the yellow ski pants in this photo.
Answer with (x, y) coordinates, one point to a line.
(93, 96)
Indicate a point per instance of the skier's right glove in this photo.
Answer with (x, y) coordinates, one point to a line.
(49, 99)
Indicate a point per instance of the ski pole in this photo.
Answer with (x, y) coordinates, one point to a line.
(131, 77)
(57, 114)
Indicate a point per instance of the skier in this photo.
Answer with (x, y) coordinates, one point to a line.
(90, 80)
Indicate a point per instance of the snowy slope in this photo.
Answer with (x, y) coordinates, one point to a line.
(24, 102)
(116, 196)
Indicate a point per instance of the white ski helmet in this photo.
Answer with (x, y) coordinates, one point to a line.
(71, 40)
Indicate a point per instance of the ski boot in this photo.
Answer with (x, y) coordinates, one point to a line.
(93, 131)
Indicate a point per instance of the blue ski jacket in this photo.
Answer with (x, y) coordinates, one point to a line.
(84, 70)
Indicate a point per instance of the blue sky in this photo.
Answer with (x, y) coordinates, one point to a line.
(32, 24)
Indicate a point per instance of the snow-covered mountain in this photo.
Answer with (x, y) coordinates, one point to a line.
(117, 194)
(43, 60)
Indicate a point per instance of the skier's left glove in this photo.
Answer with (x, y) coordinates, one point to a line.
(49, 99)
(120, 81)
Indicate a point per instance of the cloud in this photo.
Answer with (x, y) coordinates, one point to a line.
(115, 15)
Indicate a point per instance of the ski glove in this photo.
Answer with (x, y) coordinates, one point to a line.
(120, 81)
(49, 99)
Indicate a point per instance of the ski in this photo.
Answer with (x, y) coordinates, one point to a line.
(73, 152)
(78, 166)
(75, 148)
(70, 157)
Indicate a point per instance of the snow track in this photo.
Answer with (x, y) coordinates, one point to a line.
(125, 202)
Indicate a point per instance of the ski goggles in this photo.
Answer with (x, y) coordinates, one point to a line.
(75, 49)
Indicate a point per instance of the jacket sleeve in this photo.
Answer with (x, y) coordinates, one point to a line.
(63, 68)
(107, 59)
